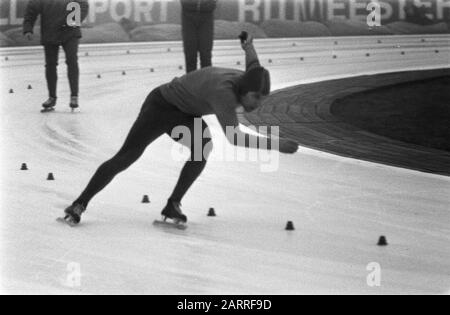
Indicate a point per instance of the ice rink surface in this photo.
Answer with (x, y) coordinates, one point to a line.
(339, 206)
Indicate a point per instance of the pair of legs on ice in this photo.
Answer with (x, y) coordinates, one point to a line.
(198, 38)
(70, 48)
(157, 117)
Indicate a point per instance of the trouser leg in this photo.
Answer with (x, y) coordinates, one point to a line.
(51, 66)
(73, 72)
(190, 41)
(206, 39)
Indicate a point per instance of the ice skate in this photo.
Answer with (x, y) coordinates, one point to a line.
(72, 215)
(49, 105)
(173, 213)
(74, 103)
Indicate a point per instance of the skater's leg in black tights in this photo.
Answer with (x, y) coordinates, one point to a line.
(51, 64)
(195, 166)
(148, 127)
(106, 173)
(189, 174)
(156, 118)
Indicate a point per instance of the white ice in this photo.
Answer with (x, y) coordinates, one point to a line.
(339, 206)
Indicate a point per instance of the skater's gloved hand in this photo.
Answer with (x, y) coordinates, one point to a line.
(29, 36)
(248, 42)
(288, 146)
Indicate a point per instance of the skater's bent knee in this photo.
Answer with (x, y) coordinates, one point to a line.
(207, 147)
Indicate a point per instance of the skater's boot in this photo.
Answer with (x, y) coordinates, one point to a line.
(73, 214)
(173, 211)
(74, 102)
(49, 104)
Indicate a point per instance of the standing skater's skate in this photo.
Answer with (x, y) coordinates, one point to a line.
(49, 105)
(74, 103)
(72, 215)
(173, 212)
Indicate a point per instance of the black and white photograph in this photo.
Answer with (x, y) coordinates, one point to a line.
(225, 153)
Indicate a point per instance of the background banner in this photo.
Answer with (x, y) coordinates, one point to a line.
(254, 11)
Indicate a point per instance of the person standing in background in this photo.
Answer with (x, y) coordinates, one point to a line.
(198, 32)
(56, 32)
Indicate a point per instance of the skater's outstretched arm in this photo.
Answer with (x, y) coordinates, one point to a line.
(237, 137)
(251, 57)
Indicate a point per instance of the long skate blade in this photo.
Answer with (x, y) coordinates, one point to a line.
(172, 225)
(48, 110)
(66, 222)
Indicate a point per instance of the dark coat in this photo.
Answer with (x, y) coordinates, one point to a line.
(199, 5)
(54, 28)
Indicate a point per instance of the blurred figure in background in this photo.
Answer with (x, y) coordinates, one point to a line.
(417, 15)
(55, 32)
(198, 32)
